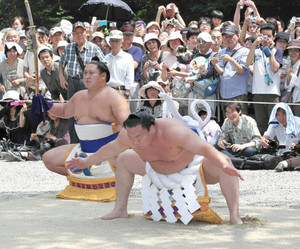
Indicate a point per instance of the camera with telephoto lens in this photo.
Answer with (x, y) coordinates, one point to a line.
(273, 144)
(297, 148)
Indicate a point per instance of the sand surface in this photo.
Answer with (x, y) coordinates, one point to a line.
(31, 216)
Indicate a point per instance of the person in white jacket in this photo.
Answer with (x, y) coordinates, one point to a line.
(292, 71)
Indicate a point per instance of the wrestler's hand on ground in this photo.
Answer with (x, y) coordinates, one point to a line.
(76, 163)
(231, 170)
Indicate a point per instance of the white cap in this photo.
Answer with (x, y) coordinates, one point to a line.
(97, 34)
(116, 34)
(205, 36)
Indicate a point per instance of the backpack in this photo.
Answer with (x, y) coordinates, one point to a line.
(257, 162)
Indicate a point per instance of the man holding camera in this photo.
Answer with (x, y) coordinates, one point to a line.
(231, 66)
(266, 60)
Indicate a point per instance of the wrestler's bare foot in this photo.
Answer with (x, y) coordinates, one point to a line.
(236, 220)
(114, 214)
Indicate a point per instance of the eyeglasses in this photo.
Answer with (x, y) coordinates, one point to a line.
(230, 113)
(201, 41)
(204, 24)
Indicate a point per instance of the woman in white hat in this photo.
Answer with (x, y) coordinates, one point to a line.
(152, 105)
(151, 61)
(293, 74)
(173, 70)
(11, 69)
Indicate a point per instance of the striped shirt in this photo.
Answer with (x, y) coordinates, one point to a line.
(69, 57)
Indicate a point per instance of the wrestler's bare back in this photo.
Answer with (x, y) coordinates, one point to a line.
(165, 152)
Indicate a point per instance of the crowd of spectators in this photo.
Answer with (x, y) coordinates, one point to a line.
(253, 60)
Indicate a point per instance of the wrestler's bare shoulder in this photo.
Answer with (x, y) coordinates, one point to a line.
(170, 128)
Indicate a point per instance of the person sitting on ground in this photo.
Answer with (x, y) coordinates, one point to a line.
(240, 135)
(17, 124)
(211, 130)
(284, 126)
(167, 146)
(153, 106)
(49, 134)
(289, 164)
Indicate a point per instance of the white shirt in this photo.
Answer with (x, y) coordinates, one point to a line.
(29, 63)
(295, 83)
(261, 67)
(211, 132)
(121, 69)
(280, 132)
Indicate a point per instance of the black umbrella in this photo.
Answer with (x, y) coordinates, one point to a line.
(113, 10)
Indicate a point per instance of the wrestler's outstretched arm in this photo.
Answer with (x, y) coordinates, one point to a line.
(106, 152)
(191, 142)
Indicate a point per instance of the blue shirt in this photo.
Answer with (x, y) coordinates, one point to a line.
(137, 55)
(69, 57)
(232, 83)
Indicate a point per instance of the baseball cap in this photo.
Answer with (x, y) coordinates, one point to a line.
(205, 36)
(282, 35)
(97, 34)
(116, 34)
(22, 33)
(78, 25)
(127, 29)
(55, 30)
(230, 29)
(41, 31)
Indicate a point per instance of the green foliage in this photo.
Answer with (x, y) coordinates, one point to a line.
(49, 12)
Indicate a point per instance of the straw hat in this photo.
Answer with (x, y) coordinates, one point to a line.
(153, 84)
